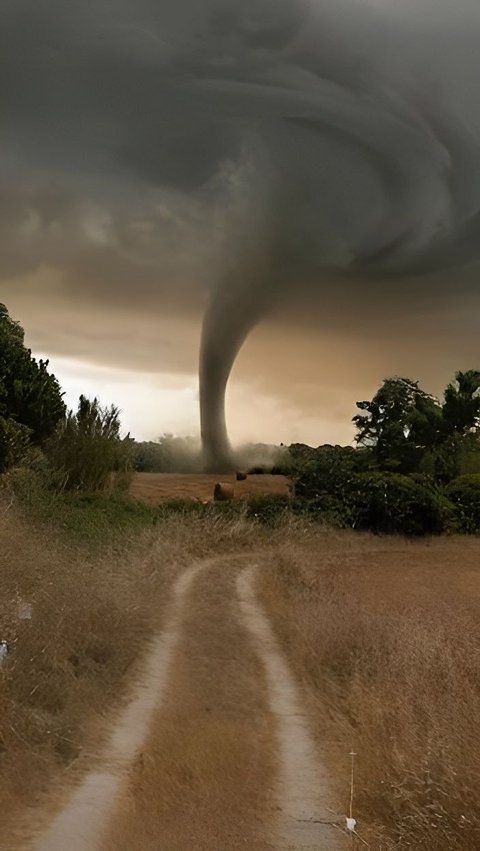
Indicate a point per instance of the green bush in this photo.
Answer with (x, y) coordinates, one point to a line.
(464, 493)
(395, 504)
(268, 509)
(87, 448)
(330, 509)
(326, 480)
(14, 443)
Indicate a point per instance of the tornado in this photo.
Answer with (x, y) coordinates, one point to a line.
(226, 325)
(238, 155)
(234, 309)
(366, 164)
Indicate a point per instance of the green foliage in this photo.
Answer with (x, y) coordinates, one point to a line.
(383, 503)
(399, 424)
(268, 509)
(87, 448)
(29, 394)
(468, 455)
(91, 520)
(461, 408)
(325, 477)
(464, 493)
(301, 454)
(14, 443)
(394, 504)
(324, 481)
(334, 484)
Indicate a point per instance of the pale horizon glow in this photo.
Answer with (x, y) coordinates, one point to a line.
(152, 405)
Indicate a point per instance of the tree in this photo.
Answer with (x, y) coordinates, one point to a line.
(29, 394)
(461, 408)
(399, 424)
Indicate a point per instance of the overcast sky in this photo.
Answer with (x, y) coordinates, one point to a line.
(145, 144)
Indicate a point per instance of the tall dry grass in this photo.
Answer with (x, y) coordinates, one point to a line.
(93, 610)
(385, 635)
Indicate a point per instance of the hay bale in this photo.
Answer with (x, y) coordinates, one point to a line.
(241, 476)
(223, 492)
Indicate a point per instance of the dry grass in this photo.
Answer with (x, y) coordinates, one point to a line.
(384, 633)
(155, 488)
(92, 613)
(386, 636)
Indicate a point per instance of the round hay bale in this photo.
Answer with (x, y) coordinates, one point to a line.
(241, 476)
(223, 492)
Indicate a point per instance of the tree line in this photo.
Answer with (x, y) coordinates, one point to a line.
(414, 468)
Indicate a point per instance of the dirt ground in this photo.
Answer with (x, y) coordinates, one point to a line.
(274, 661)
(212, 753)
(155, 488)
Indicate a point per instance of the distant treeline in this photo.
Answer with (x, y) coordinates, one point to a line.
(415, 466)
(171, 454)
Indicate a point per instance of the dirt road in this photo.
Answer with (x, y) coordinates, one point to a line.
(213, 753)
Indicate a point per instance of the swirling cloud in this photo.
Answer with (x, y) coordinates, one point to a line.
(259, 151)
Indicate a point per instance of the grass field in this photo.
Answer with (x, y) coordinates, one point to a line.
(385, 636)
(155, 488)
(93, 610)
(383, 633)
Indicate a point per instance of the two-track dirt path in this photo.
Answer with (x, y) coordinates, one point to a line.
(213, 753)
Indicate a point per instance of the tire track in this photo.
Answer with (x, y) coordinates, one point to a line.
(213, 752)
(304, 787)
(80, 824)
(207, 779)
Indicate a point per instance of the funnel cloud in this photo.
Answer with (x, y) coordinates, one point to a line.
(247, 154)
(363, 158)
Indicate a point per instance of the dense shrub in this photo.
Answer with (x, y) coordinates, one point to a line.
(268, 509)
(326, 482)
(14, 443)
(464, 493)
(87, 448)
(395, 504)
(384, 503)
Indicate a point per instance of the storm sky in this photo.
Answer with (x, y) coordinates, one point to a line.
(147, 149)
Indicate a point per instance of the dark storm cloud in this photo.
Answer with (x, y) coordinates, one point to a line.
(261, 150)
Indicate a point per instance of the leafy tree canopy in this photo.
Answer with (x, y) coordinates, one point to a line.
(461, 408)
(29, 394)
(399, 424)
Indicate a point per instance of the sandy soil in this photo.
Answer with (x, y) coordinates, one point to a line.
(213, 753)
(154, 488)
